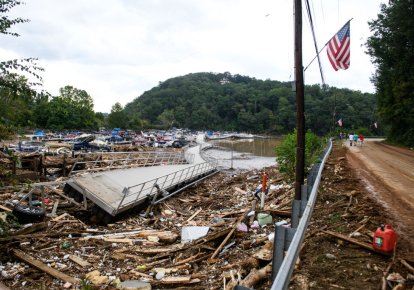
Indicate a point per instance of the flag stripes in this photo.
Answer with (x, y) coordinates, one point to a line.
(339, 52)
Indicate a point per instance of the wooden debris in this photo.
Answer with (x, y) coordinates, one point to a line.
(96, 278)
(164, 236)
(42, 267)
(356, 242)
(79, 261)
(239, 190)
(408, 266)
(5, 209)
(256, 275)
(123, 241)
(33, 228)
(264, 254)
(228, 236)
(194, 215)
(60, 217)
(359, 228)
(176, 280)
(284, 213)
(124, 256)
(384, 277)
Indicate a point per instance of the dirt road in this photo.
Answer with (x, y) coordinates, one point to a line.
(388, 172)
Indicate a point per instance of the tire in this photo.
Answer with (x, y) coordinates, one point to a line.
(101, 217)
(73, 193)
(26, 214)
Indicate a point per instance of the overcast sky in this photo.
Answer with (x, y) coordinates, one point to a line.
(117, 49)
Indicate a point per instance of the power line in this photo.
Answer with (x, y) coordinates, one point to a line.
(314, 39)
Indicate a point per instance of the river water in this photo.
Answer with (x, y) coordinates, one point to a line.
(244, 154)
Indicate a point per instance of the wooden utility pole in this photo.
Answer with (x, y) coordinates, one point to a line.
(300, 102)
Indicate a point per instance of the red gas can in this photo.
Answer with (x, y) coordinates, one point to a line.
(385, 239)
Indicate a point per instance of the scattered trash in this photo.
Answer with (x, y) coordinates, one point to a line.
(242, 227)
(281, 223)
(191, 233)
(264, 218)
(227, 247)
(134, 285)
(255, 225)
(66, 245)
(159, 275)
(330, 256)
(217, 220)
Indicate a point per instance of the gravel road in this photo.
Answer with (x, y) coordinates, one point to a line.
(388, 172)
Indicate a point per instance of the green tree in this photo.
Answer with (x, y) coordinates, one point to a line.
(15, 91)
(100, 119)
(166, 119)
(72, 109)
(224, 101)
(16, 101)
(117, 117)
(391, 50)
(80, 104)
(286, 152)
(7, 67)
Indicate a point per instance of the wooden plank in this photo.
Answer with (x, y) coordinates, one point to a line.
(60, 217)
(193, 216)
(33, 228)
(408, 266)
(211, 259)
(123, 241)
(55, 206)
(6, 209)
(42, 267)
(79, 261)
(176, 279)
(356, 242)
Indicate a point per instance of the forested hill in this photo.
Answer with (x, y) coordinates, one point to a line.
(221, 101)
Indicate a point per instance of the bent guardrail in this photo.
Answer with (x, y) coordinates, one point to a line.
(283, 267)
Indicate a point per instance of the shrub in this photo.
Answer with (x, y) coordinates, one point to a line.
(286, 152)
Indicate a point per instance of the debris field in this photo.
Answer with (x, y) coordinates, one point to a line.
(210, 236)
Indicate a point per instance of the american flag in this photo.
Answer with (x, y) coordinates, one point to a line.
(339, 52)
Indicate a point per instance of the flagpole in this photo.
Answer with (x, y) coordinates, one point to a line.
(316, 56)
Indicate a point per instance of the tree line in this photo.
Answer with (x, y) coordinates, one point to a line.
(222, 101)
(200, 101)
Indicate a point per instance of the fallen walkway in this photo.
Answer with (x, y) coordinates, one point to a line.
(119, 190)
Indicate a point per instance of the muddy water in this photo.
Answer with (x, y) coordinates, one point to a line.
(258, 147)
(244, 154)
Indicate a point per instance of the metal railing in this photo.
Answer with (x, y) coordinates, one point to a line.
(210, 159)
(285, 269)
(134, 193)
(122, 160)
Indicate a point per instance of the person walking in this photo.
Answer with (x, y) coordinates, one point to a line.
(351, 138)
(355, 139)
(361, 139)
